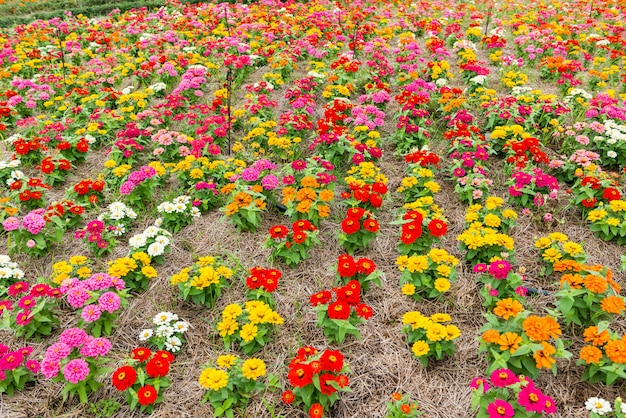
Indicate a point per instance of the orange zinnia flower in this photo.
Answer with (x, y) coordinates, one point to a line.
(612, 304)
(509, 341)
(616, 351)
(541, 329)
(508, 308)
(327, 195)
(596, 284)
(590, 354)
(574, 280)
(596, 338)
(542, 357)
(491, 336)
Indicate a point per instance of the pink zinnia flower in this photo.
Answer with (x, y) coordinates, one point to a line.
(109, 302)
(480, 268)
(91, 313)
(58, 351)
(11, 361)
(50, 368)
(531, 399)
(76, 370)
(27, 302)
(18, 288)
(499, 269)
(23, 318)
(477, 381)
(500, 409)
(11, 224)
(96, 347)
(503, 377)
(32, 365)
(77, 297)
(73, 337)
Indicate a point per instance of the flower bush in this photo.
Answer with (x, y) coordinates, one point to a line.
(32, 234)
(231, 383)
(30, 311)
(358, 230)
(427, 276)
(506, 394)
(603, 355)
(340, 317)
(317, 378)
(250, 325)
(292, 246)
(430, 336)
(401, 406)
(261, 284)
(153, 241)
(17, 369)
(363, 270)
(178, 213)
(202, 283)
(167, 332)
(77, 360)
(136, 270)
(98, 299)
(10, 273)
(142, 378)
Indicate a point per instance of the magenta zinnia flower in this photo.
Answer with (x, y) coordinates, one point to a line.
(11, 361)
(500, 409)
(32, 365)
(76, 370)
(531, 399)
(109, 302)
(477, 381)
(503, 377)
(499, 269)
(73, 337)
(91, 313)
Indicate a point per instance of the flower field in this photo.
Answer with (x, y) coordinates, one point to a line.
(338, 209)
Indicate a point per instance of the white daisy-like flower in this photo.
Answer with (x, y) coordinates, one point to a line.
(145, 335)
(90, 139)
(5, 272)
(155, 249)
(137, 241)
(441, 82)
(181, 326)
(479, 79)
(158, 222)
(164, 331)
(611, 154)
(163, 240)
(598, 405)
(151, 231)
(173, 344)
(180, 207)
(4, 259)
(195, 212)
(163, 318)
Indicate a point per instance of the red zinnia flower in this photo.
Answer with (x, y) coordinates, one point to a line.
(364, 311)
(279, 231)
(303, 225)
(350, 226)
(321, 298)
(147, 395)
(332, 361)
(611, 194)
(157, 367)
(47, 167)
(380, 188)
(338, 310)
(300, 375)
(299, 237)
(325, 388)
(124, 377)
(589, 202)
(342, 380)
(371, 225)
(316, 411)
(142, 354)
(288, 397)
(437, 228)
(164, 355)
(362, 195)
(307, 351)
(355, 213)
(346, 267)
(376, 200)
(365, 266)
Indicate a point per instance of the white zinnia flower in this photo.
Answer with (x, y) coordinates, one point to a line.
(164, 331)
(155, 249)
(137, 241)
(173, 344)
(163, 240)
(181, 326)
(4, 259)
(598, 405)
(151, 231)
(145, 335)
(163, 318)
(611, 154)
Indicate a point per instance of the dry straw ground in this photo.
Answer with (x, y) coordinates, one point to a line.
(381, 362)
